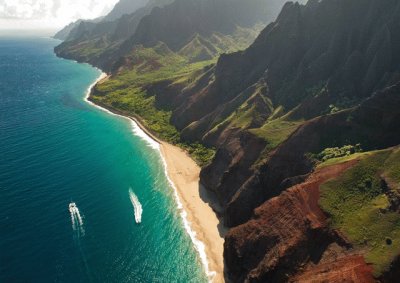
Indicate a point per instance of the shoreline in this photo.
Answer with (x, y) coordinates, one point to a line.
(199, 220)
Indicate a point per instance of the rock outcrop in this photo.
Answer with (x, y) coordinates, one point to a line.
(289, 239)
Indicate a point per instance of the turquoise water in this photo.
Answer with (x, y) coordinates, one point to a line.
(54, 149)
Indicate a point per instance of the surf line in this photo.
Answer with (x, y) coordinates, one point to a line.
(137, 131)
(137, 206)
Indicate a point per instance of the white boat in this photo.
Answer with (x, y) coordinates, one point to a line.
(72, 207)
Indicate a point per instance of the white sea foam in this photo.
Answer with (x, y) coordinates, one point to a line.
(141, 134)
(135, 127)
(199, 245)
(137, 206)
(89, 90)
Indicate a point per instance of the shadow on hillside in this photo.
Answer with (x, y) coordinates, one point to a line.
(211, 199)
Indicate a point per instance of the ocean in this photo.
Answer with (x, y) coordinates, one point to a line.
(56, 149)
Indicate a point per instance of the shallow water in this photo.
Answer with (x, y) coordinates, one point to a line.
(55, 149)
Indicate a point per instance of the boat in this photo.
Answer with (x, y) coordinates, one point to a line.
(72, 207)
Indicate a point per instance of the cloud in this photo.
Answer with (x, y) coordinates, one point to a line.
(52, 12)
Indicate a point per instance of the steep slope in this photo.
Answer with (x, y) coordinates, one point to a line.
(340, 50)
(292, 237)
(287, 230)
(124, 7)
(99, 43)
(374, 124)
(317, 230)
(210, 27)
(177, 23)
(64, 33)
(306, 64)
(75, 29)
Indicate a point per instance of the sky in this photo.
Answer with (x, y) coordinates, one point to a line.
(49, 14)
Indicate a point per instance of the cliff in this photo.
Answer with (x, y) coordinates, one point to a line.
(285, 234)
(316, 230)
(124, 7)
(98, 43)
(205, 27)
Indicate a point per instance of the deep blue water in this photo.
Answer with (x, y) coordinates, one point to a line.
(54, 149)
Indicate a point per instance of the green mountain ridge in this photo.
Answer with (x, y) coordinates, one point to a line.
(99, 43)
(217, 22)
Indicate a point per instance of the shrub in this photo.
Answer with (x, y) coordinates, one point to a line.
(335, 152)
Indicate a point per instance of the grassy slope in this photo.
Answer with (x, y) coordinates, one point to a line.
(147, 66)
(126, 92)
(277, 131)
(358, 206)
(89, 50)
(392, 167)
(200, 48)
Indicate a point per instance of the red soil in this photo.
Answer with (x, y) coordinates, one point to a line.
(289, 239)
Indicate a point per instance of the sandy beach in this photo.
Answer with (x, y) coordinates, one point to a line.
(184, 173)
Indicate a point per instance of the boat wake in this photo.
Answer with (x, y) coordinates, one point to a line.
(137, 206)
(76, 219)
(79, 232)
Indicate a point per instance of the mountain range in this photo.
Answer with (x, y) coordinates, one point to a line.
(208, 26)
(291, 109)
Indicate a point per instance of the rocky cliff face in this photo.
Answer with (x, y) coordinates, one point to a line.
(204, 27)
(319, 62)
(307, 63)
(329, 48)
(374, 123)
(296, 213)
(314, 60)
(177, 23)
(287, 233)
(292, 237)
(64, 33)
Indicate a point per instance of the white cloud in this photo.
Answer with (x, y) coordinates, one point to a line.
(49, 14)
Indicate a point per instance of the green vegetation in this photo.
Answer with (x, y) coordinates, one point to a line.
(346, 158)
(147, 66)
(277, 131)
(199, 152)
(335, 152)
(244, 116)
(252, 112)
(358, 206)
(87, 49)
(341, 104)
(126, 92)
(392, 166)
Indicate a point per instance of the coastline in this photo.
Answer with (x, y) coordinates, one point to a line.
(199, 219)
